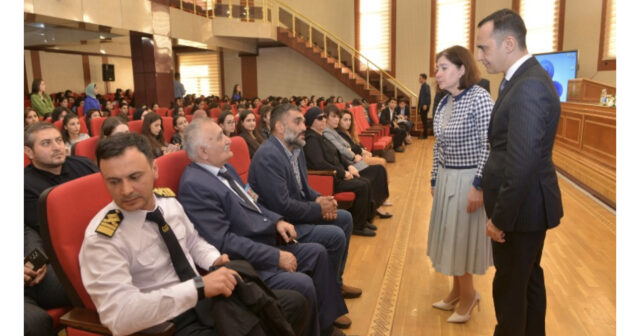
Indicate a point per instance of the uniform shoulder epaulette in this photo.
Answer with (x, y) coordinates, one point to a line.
(164, 192)
(110, 223)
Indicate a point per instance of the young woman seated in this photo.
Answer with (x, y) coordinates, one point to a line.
(347, 131)
(180, 124)
(227, 122)
(30, 116)
(247, 130)
(71, 131)
(153, 131)
(113, 125)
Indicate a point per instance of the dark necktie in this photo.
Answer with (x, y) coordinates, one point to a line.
(234, 186)
(178, 259)
(503, 84)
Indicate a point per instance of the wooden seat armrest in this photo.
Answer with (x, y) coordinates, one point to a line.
(321, 172)
(89, 320)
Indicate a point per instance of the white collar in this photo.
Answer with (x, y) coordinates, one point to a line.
(515, 66)
(212, 169)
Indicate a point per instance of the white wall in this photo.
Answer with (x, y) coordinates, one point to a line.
(284, 72)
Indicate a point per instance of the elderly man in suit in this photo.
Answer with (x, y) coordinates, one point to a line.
(225, 214)
(521, 193)
(278, 174)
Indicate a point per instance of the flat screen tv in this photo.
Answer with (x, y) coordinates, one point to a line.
(561, 67)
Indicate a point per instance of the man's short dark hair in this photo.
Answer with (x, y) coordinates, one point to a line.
(33, 128)
(280, 112)
(116, 144)
(506, 21)
(423, 75)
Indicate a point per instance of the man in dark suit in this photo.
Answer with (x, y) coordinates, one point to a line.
(521, 193)
(225, 214)
(403, 115)
(424, 101)
(278, 174)
(388, 117)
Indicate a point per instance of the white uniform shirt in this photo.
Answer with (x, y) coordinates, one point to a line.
(130, 277)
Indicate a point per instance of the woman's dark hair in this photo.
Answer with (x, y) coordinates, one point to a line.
(26, 113)
(331, 108)
(243, 115)
(223, 116)
(87, 119)
(156, 140)
(65, 121)
(235, 90)
(339, 99)
(55, 115)
(356, 102)
(175, 120)
(116, 145)
(460, 56)
(109, 125)
(263, 111)
(35, 85)
(352, 128)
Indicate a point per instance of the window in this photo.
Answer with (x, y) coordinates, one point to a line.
(544, 20)
(374, 34)
(452, 23)
(607, 53)
(200, 73)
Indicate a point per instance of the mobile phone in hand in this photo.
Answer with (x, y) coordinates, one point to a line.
(36, 259)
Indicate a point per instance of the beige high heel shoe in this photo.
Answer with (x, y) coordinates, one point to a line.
(457, 318)
(446, 305)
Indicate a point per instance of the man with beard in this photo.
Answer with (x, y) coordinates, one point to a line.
(278, 174)
(49, 166)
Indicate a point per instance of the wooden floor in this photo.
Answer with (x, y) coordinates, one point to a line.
(399, 285)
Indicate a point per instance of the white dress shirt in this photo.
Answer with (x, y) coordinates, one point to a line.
(515, 66)
(130, 277)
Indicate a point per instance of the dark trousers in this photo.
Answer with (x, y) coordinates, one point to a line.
(362, 209)
(377, 175)
(48, 294)
(425, 122)
(398, 134)
(519, 294)
(316, 280)
(293, 304)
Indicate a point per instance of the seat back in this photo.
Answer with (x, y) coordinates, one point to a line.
(64, 212)
(86, 148)
(373, 114)
(167, 128)
(215, 113)
(27, 161)
(96, 125)
(170, 168)
(340, 105)
(162, 111)
(80, 110)
(240, 159)
(135, 126)
(321, 183)
(187, 110)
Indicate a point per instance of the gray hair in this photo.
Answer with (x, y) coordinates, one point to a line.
(193, 137)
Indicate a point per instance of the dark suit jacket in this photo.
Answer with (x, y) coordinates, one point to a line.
(520, 184)
(406, 111)
(386, 117)
(424, 98)
(321, 154)
(226, 222)
(271, 177)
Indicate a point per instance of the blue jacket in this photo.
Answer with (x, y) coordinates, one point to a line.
(90, 103)
(225, 221)
(271, 177)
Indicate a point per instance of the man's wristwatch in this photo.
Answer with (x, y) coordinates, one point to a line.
(200, 287)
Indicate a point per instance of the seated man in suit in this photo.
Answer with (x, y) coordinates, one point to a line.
(224, 214)
(388, 117)
(278, 174)
(403, 116)
(139, 253)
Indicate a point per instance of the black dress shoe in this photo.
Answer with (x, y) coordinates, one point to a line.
(399, 149)
(384, 215)
(371, 226)
(364, 232)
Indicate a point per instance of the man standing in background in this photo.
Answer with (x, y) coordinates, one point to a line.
(178, 88)
(424, 101)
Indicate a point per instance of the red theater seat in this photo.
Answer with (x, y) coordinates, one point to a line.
(83, 125)
(167, 127)
(86, 148)
(170, 168)
(163, 111)
(27, 161)
(96, 125)
(240, 159)
(64, 212)
(135, 126)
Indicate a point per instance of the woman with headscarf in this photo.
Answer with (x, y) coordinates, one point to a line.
(90, 101)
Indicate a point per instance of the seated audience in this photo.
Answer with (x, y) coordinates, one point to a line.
(376, 174)
(223, 213)
(143, 273)
(322, 155)
(108, 107)
(113, 125)
(387, 117)
(155, 107)
(347, 131)
(180, 124)
(30, 116)
(140, 112)
(278, 175)
(227, 122)
(49, 166)
(42, 291)
(71, 131)
(59, 113)
(247, 130)
(403, 116)
(90, 100)
(153, 130)
(178, 111)
(40, 100)
(265, 116)
(88, 115)
(64, 102)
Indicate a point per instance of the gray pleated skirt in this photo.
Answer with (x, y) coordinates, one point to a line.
(457, 242)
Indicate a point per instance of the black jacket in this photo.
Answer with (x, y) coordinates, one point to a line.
(321, 154)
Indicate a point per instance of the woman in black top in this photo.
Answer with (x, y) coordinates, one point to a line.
(322, 155)
(180, 124)
(265, 119)
(247, 130)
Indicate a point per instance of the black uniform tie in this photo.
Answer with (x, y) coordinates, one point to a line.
(238, 191)
(178, 259)
(503, 84)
